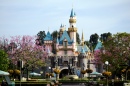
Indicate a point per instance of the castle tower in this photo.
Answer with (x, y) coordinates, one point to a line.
(82, 60)
(72, 29)
(62, 29)
(48, 41)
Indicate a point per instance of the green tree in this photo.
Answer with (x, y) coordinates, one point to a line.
(87, 43)
(115, 51)
(4, 61)
(40, 37)
(78, 38)
(94, 40)
(104, 36)
(55, 34)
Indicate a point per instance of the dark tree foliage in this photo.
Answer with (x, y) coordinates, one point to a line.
(40, 37)
(78, 38)
(94, 40)
(55, 34)
(104, 36)
(86, 43)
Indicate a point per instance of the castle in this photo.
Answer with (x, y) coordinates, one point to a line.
(68, 51)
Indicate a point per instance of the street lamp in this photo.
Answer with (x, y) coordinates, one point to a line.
(75, 62)
(49, 69)
(56, 62)
(107, 63)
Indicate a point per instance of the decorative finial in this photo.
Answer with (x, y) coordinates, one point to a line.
(48, 28)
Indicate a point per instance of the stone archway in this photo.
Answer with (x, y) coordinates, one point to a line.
(64, 72)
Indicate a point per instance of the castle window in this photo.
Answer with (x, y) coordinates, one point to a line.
(65, 63)
(60, 61)
(65, 44)
(65, 52)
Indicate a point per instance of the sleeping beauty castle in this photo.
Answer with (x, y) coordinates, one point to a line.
(68, 52)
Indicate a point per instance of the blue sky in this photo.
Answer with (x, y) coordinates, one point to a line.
(28, 17)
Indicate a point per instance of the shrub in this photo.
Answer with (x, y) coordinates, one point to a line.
(107, 74)
(57, 71)
(89, 70)
(83, 71)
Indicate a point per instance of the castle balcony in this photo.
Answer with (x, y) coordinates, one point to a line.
(69, 46)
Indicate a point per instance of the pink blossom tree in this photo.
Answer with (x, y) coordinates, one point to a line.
(115, 51)
(25, 48)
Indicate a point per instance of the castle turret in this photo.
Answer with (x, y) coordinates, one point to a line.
(72, 29)
(48, 41)
(82, 60)
(62, 29)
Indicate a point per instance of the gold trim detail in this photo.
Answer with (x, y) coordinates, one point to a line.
(73, 29)
(72, 20)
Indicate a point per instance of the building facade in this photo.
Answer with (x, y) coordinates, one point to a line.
(68, 51)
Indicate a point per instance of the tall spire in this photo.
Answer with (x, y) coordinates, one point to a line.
(82, 36)
(82, 39)
(72, 29)
(72, 14)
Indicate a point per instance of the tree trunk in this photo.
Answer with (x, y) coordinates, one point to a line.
(27, 75)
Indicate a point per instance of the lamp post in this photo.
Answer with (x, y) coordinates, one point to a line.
(41, 72)
(107, 63)
(20, 65)
(49, 71)
(56, 66)
(75, 62)
(56, 63)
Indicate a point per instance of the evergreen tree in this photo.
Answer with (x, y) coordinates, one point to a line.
(93, 40)
(78, 38)
(40, 37)
(104, 36)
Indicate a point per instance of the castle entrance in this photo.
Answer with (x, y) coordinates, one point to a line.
(63, 73)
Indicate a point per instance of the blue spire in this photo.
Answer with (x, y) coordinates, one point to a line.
(48, 36)
(98, 46)
(72, 13)
(82, 50)
(61, 25)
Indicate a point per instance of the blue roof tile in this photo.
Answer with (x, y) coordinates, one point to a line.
(48, 37)
(65, 36)
(82, 50)
(98, 46)
(85, 48)
(72, 14)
